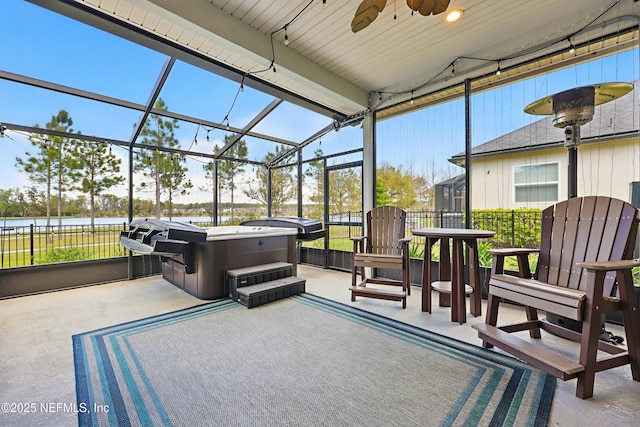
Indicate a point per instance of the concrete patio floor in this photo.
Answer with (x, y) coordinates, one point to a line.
(36, 353)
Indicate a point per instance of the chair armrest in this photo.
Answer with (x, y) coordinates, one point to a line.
(358, 243)
(405, 240)
(609, 265)
(522, 254)
(512, 251)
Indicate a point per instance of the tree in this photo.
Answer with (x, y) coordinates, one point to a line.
(35, 202)
(100, 169)
(345, 191)
(283, 185)
(315, 172)
(397, 185)
(55, 162)
(228, 169)
(174, 179)
(112, 205)
(382, 197)
(159, 167)
(12, 202)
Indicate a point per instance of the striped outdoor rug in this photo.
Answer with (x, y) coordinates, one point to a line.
(301, 361)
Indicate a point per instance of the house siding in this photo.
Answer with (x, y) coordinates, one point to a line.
(604, 168)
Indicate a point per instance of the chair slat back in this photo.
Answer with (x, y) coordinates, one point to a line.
(592, 228)
(385, 227)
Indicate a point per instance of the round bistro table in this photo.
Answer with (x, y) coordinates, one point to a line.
(451, 271)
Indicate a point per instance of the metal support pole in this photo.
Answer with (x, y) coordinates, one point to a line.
(573, 172)
(215, 193)
(269, 183)
(467, 154)
(571, 141)
(130, 213)
(326, 213)
(300, 179)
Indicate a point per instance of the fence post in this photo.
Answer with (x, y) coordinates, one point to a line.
(31, 243)
(513, 228)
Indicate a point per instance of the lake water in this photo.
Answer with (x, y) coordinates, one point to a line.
(86, 221)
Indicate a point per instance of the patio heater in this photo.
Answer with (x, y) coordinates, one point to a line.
(572, 109)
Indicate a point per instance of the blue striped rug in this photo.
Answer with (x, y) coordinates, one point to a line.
(304, 360)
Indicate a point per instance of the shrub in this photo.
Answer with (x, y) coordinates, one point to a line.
(63, 255)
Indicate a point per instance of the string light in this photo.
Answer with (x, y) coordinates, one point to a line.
(499, 70)
(286, 36)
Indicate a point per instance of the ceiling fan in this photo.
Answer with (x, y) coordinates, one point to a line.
(368, 10)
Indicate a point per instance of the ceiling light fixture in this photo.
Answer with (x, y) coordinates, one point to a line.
(454, 15)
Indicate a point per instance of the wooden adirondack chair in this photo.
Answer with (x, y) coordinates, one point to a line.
(383, 247)
(583, 272)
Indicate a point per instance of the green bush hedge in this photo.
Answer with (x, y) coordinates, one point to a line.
(514, 228)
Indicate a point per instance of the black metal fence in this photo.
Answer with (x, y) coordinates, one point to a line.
(40, 244)
(514, 228)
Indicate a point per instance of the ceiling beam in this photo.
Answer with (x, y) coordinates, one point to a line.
(82, 11)
(257, 119)
(155, 94)
(203, 18)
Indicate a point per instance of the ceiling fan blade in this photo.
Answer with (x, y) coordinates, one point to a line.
(357, 25)
(441, 6)
(366, 13)
(427, 7)
(415, 4)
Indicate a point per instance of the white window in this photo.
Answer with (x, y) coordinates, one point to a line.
(536, 183)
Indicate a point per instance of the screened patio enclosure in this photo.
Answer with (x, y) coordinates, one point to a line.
(291, 84)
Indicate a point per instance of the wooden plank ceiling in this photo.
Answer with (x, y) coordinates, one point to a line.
(397, 57)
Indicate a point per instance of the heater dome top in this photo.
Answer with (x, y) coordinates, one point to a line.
(585, 96)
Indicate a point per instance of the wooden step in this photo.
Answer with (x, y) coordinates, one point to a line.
(256, 269)
(273, 290)
(390, 293)
(255, 274)
(535, 354)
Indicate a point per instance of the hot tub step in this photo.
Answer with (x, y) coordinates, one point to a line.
(266, 292)
(248, 276)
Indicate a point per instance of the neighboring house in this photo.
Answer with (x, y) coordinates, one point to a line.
(450, 194)
(529, 166)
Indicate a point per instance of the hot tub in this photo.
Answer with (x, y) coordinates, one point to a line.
(245, 232)
(227, 248)
(200, 266)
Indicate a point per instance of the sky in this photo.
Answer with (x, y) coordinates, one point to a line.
(51, 47)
